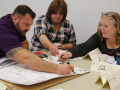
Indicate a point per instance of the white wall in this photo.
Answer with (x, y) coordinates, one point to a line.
(84, 14)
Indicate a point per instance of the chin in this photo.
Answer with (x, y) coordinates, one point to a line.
(58, 21)
(104, 36)
(22, 34)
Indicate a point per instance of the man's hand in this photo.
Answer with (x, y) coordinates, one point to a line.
(54, 50)
(64, 69)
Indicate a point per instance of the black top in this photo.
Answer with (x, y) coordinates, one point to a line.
(92, 43)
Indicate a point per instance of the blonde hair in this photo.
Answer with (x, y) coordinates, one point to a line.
(54, 6)
(115, 18)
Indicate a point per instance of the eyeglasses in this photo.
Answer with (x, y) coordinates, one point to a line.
(109, 15)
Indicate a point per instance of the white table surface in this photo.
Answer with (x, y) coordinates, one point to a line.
(84, 82)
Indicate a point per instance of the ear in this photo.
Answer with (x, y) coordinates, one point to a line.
(15, 19)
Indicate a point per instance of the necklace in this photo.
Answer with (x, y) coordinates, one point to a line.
(111, 45)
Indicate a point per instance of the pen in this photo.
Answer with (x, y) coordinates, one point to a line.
(62, 55)
(72, 70)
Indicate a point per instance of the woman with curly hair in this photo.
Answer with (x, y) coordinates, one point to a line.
(106, 39)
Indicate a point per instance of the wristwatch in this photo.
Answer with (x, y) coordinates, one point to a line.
(63, 47)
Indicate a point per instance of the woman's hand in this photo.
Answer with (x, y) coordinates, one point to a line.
(54, 50)
(65, 55)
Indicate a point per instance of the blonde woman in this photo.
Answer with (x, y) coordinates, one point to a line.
(106, 39)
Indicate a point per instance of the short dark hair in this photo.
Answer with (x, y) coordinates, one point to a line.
(23, 10)
(54, 6)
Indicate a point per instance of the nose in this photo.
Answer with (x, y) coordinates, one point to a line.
(102, 28)
(28, 28)
(58, 14)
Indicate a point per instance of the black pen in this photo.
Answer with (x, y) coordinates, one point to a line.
(72, 70)
(62, 55)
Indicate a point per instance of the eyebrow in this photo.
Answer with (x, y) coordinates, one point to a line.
(28, 24)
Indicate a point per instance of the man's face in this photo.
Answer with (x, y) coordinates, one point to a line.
(23, 23)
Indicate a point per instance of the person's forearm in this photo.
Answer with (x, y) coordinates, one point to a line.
(32, 61)
(25, 46)
(36, 63)
(45, 41)
(68, 46)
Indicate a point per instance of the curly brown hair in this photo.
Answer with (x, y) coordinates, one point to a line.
(54, 6)
(115, 17)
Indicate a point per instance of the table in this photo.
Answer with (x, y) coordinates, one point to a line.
(2, 86)
(84, 82)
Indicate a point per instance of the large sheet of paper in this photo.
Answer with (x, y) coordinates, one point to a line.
(20, 74)
(4, 58)
(5, 61)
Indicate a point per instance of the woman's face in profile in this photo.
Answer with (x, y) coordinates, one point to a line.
(107, 28)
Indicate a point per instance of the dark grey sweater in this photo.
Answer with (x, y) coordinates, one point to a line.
(92, 43)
